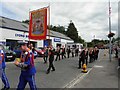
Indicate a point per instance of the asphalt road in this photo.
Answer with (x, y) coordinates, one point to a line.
(67, 75)
(66, 70)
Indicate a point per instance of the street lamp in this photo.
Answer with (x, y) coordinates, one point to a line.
(110, 35)
(94, 40)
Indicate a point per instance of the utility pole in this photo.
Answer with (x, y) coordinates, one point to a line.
(110, 48)
(94, 40)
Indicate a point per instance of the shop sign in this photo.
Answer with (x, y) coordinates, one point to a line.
(57, 40)
(21, 35)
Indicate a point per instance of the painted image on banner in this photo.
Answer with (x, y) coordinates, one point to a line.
(38, 24)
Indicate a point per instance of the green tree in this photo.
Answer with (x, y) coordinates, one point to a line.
(95, 41)
(80, 40)
(58, 28)
(113, 40)
(90, 44)
(72, 32)
(25, 21)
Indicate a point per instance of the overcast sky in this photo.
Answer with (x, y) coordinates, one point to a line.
(89, 16)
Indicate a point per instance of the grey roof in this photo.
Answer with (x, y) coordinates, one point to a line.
(13, 24)
(57, 34)
(17, 25)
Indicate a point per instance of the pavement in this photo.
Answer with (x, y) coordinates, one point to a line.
(101, 74)
(104, 74)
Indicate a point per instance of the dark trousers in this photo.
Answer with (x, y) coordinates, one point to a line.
(72, 54)
(86, 61)
(90, 59)
(68, 54)
(81, 61)
(116, 55)
(76, 54)
(96, 57)
(63, 55)
(23, 81)
(58, 55)
(118, 61)
(51, 66)
(45, 59)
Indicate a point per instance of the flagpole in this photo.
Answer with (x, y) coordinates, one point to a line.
(29, 26)
(110, 49)
(94, 40)
(49, 25)
(49, 21)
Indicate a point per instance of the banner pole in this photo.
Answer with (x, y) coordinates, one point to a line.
(49, 26)
(49, 21)
(29, 26)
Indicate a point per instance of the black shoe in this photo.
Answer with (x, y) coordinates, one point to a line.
(47, 72)
(5, 88)
(53, 70)
(79, 67)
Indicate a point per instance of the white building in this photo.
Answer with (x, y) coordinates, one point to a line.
(12, 31)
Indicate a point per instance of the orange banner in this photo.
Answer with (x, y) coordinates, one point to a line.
(38, 24)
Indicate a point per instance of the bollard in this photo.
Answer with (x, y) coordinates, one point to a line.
(84, 68)
(104, 54)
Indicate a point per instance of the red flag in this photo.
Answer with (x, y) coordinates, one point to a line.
(38, 24)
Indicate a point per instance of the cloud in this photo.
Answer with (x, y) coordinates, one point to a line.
(90, 18)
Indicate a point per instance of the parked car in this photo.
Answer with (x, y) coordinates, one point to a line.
(9, 54)
(18, 52)
(35, 54)
(40, 51)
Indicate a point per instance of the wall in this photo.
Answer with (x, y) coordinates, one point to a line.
(13, 35)
(19, 35)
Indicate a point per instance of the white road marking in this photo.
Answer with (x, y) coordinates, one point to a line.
(97, 66)
(78, 79)
(1, 84)
(118, 67)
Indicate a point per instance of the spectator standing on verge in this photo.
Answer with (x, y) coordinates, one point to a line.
(63, 52)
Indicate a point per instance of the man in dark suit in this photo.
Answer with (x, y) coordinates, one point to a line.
(63, 52)
(82, 57)
(68, 51)
(51, 59)
(96, 52)
(57, 53)
(91, 56)
(86, 56)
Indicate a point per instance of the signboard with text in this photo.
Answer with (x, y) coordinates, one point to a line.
(57, 40)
